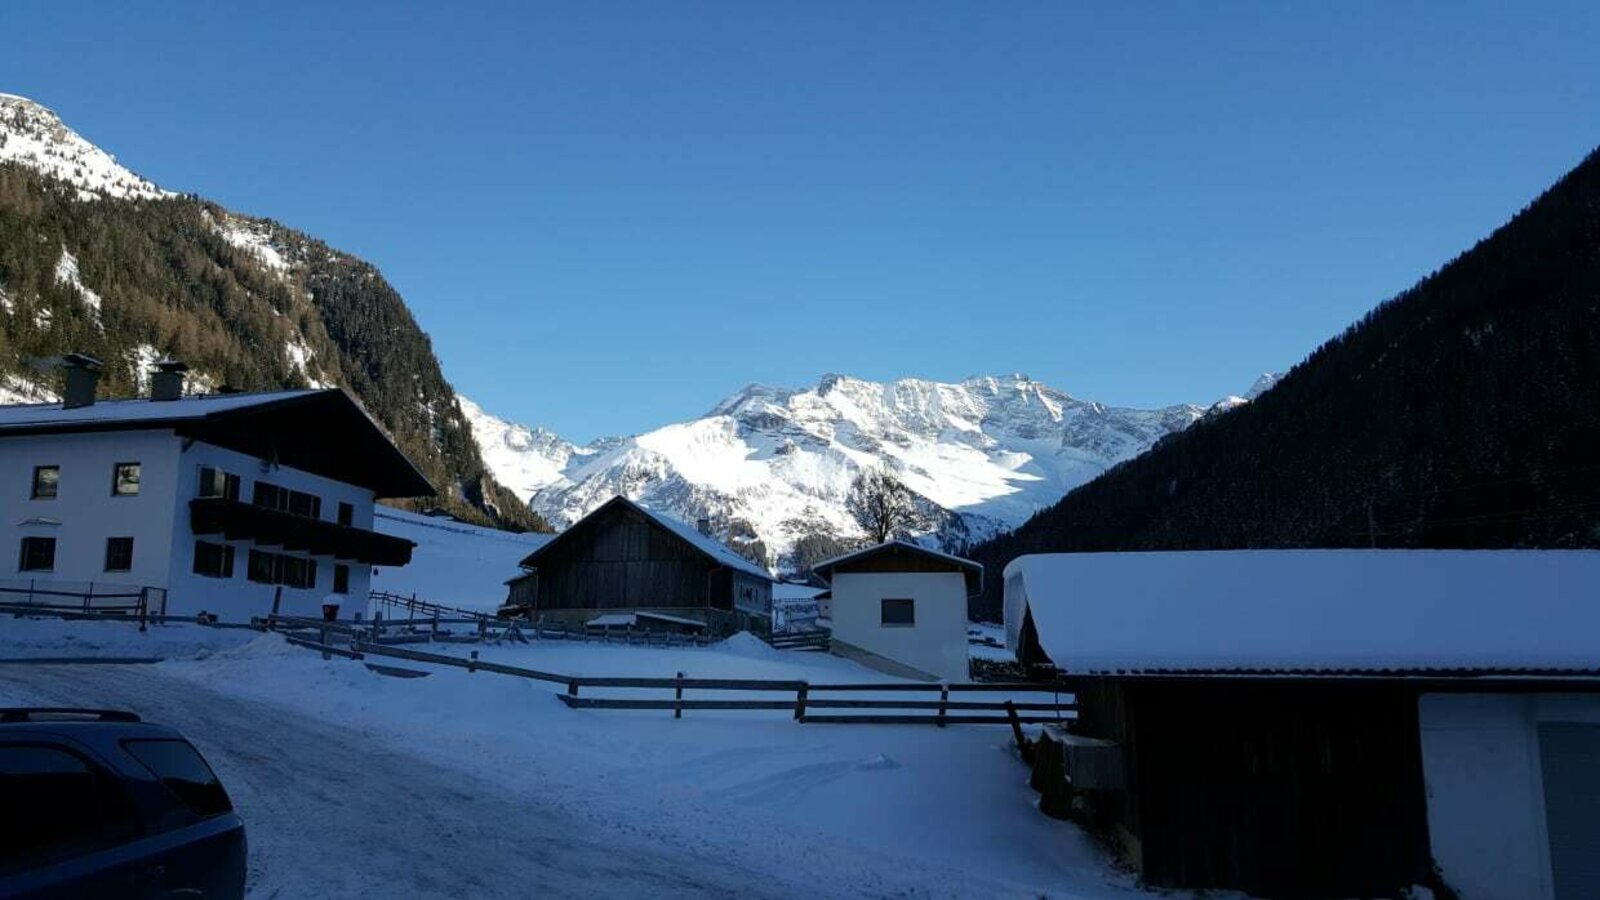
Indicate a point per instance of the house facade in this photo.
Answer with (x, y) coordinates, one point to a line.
(902, 608)
(232, 504)
(623, 559)
(1330, 723)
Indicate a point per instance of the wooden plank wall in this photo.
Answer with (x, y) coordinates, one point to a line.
(621, 560)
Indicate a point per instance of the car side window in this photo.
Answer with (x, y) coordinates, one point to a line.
(57, 806)
(184, 772)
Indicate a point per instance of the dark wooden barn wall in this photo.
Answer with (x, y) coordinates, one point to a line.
(621, 560)
(1277, 789)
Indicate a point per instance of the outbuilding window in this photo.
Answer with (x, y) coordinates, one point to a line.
(119, 554)
(341, 578)
(125, 480)
(46, 481)
(899, 611)
(38, 554)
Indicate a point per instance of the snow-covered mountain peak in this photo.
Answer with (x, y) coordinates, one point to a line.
(1264, 382)
(33, 135)
(776, 463)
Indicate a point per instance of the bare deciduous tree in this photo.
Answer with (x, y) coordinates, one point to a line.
(883, 506)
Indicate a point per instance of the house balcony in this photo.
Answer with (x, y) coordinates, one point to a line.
(235, 520)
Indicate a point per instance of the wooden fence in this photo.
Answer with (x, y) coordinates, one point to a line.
(802, 640)
(83, 600)
(937, 709)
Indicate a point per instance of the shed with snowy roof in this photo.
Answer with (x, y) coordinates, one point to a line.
(623, 559)
(902, 608)
(1323, 723)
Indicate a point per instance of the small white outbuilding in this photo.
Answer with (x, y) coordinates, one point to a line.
(902, 609)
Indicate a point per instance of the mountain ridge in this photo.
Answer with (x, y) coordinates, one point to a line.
(770, 465)
(97, 259)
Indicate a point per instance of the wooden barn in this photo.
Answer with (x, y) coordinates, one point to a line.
(1324, 724)
(623, 558)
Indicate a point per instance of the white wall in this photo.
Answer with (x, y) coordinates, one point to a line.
(1486, 816)
(84, 506)
(238, 598)
(936, 644)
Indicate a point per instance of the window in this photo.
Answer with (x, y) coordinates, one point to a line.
(38, 554)
(58, 806)
(278, 568)
(46, 481)
(341, 578)
(119, 554)
(347, 514)
(125, 480)
(184, 772)
(899, 611)
(213, 560)
(216, 483)
(299, 503)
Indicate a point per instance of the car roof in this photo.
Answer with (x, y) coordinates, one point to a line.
(89, 732)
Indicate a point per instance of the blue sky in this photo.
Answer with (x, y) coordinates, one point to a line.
(608, 216)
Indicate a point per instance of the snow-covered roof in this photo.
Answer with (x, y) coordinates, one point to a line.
(788, 590)
(973, 570)
(713, 547)
(136, 411)
(1309, 609)
(612, 620)
(663, 617)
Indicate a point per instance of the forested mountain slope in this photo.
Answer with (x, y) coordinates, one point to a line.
(94, 259)
(1463, 413)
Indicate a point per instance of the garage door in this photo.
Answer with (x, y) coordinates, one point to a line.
(1570, 755)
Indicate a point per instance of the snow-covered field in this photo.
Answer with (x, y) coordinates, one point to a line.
(454, 563)
(457, 784)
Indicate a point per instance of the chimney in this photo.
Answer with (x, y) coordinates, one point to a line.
(703, 526)
(166, 382)
(83, 375)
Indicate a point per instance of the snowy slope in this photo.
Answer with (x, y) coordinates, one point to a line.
(987, 451)
(454, 563)
(35, 136)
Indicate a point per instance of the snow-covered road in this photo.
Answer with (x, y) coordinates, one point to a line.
(332, 812)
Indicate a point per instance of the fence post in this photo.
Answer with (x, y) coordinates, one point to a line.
(144, 608)
(433, 635)
(472, 664)
(277, 600)
(572, 687)
(800, 702)
(677, 711)
(88, 597)
(377, 626)
(1023, 749)
(944, 698)
(323, 640)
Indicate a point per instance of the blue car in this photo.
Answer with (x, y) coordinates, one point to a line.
(96, 803)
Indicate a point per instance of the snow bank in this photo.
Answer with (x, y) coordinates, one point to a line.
(1310, 608)
(29, 638)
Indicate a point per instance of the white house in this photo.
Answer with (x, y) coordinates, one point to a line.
(902, 609)
(227, 503)
(1463, 686)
